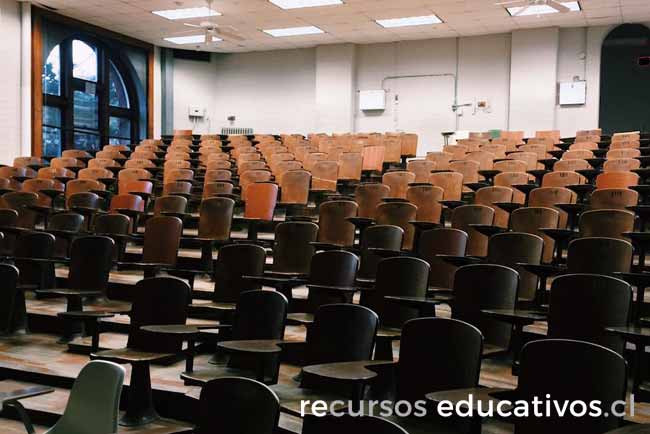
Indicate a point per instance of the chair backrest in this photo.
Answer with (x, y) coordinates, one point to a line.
(90, 263)
(212, 189)
(616, 180)
(549, 196)
(508, 179)
(582, 305)
(621, 164)
(292, 251)
(20, 201)
(427, 198)
(562, 179)
(158, 301)
(399, 214)
(613, 198)
(511, 248)
(261, 200)
(444, 241)
(421, 168)
(570, 371)
(341, 333)
(517, 166)
(488, 196)
(368, 196)
(94, 402)
(215, 218)
(606, 223)
(531, 219)
(485, 286)
(294, 186)
(233, 262)
(12, 300)
(422, 370)
(162, 237)
(466, 215)
(127, 201)
(350, 164)
(333, 225)
(177, 187)
(398, 276)
(331, 268)
(324, 175)
(599, 255)
(377, 236)
(571, 165)
(171, 204)
(237, 405)
(398, 182)
(450, 182)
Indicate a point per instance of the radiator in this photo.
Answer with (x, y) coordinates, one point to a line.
(236, 131)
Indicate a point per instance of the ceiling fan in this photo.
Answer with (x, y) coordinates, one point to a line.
(213, 30)
(527, 4)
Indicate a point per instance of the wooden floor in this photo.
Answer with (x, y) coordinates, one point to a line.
(40, 354)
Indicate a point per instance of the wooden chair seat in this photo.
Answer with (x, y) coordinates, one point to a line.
(493, 350)
(391, 333)
(202, 376)
(129, 355)
(300, 318)
(213, 306)
(63, 292)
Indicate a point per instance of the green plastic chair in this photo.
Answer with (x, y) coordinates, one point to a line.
(94, 401)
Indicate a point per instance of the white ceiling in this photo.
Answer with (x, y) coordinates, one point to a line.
(352, 22)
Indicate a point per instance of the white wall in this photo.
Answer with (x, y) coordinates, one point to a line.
(157, 94)
(308, 90)
(10, 80)
(533, 79)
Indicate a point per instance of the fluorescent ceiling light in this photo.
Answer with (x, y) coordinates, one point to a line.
(194, 39)
(295, 4)
(542, 9)
(294, 31)
(409, 21)
(183, 14)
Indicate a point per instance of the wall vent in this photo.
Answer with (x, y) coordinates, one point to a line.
(235, 131)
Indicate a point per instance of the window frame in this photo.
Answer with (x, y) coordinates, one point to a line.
(69, 83)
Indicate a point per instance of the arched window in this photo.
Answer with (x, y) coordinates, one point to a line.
(89, 100)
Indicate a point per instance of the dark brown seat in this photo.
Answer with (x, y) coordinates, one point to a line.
(171, 205)
(156, 301)
(603, 301)
(65, 227)
(233, 263)
(486, 286)
(570, 371)
(161, 241)
(115, 226)
(335, 231)
(467, 215)
(531, 219)
(237, 405)
(399, 214)
(348, 424)
(13, 313)
(20, 202)
(398, 276)
(606, 223)
(30, 247)
(258, 315)
(436, 242)
(376, 241)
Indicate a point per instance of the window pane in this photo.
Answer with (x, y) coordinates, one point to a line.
(52, 116)
(52, 72)
(51, 141)
(85, 141)
(115, 141)
(119, 127)
(85, 110)
(84, 61)
(118, 96)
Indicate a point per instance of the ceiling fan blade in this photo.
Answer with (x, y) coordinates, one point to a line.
(522, 10)
(557, 6)
(228, 35)
(191, 25)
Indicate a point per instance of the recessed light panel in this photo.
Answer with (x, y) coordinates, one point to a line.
(184, 14)
(194, 39)
(293, 31)
(541, 9)
(409, 21)
(296, 4)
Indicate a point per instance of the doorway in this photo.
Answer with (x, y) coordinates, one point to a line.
(625, 80)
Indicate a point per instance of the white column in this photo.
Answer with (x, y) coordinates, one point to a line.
(533, 79)
(26, 79)
(335, 88)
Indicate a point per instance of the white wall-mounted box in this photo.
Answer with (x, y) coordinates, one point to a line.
(372, 99)
(573, 93)
(196, 112)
